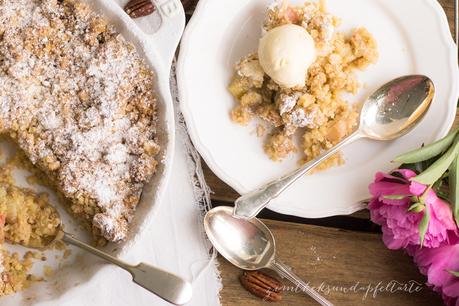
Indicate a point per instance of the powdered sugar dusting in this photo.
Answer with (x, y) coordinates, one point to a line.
(80, 102)
(302, 119)
(287, 102)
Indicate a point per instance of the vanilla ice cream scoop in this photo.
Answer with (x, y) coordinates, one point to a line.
(285, 54)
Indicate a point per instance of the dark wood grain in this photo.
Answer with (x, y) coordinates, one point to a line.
(448, 6)
(338, 259)
(333, 255)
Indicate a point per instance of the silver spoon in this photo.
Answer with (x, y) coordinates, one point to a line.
(166, 285)
(391, 112)
(250, 245)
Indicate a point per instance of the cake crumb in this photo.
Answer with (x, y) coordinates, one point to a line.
(261, 130)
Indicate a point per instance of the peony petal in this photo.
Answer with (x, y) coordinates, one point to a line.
(452, 288)
(400, 227)
(388, 188)
(437, 261)
(390, 241)
(407, 173)
(381, 176)
(405, 201)
(375, 214)
(441, 211)
(417, 189)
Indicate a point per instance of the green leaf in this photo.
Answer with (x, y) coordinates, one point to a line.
(416, 207)
(454, 188)
(454, 273)
(395, 196)
(424, 225)
(420, 167)
(441, 187)
(443, 195)
(438, 168)
(428, 151)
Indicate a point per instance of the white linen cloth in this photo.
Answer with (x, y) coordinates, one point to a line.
(174, 241)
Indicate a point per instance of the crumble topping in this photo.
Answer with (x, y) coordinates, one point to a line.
(80, 102)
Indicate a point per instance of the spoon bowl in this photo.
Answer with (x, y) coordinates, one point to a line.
(247, 245)
(396, 107)
(250, 245)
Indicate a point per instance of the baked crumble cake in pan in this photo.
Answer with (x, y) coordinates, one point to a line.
(86, 107)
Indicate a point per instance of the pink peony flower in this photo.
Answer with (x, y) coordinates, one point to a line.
(436, 264)
(401, 227)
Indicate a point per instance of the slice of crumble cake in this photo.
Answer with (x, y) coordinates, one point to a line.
(80, 102)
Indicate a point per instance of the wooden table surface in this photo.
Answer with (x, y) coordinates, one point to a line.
(342, 256)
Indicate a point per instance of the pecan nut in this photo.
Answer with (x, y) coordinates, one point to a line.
(262, 285)
(139, 8)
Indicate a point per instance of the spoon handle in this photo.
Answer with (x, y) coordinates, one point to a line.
(284, 271)
(166, 285)
(250, 204)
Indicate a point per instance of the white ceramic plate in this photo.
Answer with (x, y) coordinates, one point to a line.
(413, 38)
(156, 38)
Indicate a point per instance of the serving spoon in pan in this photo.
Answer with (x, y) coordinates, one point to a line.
(167, 286)
(389, 113)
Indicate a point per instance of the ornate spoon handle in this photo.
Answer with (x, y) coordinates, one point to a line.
(249, 205)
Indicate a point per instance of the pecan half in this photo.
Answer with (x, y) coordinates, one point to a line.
(262, 285)
(139, 8)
